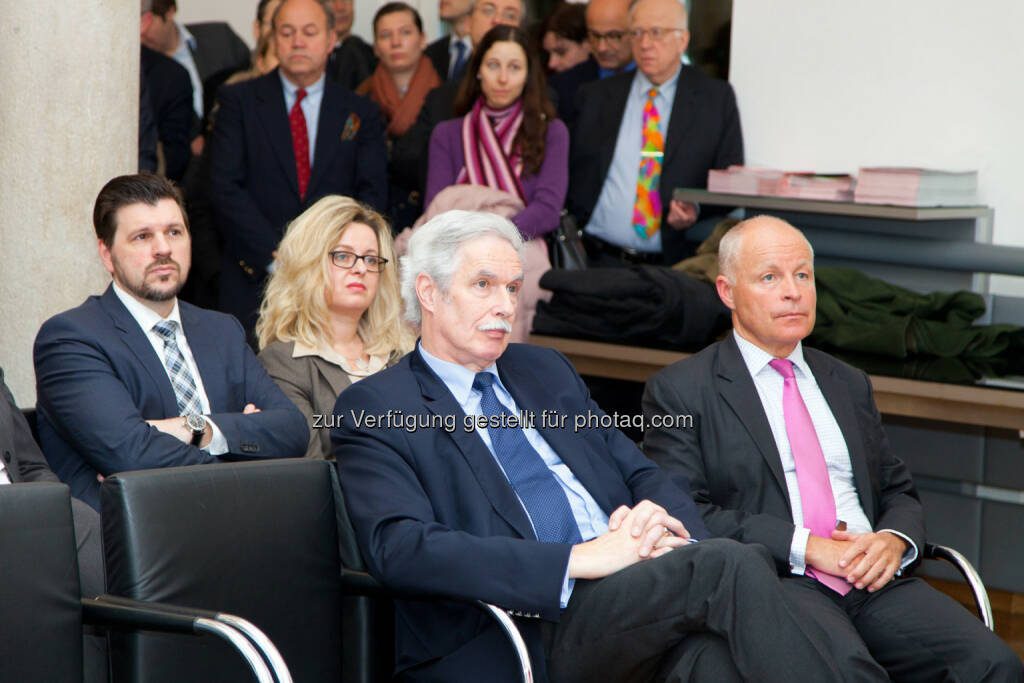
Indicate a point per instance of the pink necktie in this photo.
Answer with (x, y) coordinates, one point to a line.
(300, 142)
(816, 499)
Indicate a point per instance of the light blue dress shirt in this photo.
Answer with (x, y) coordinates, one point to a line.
(183, 56)
(590, 518)
(612, 220)
(310, 107)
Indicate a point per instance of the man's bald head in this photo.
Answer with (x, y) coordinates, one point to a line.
(608, 32)
(766, 278)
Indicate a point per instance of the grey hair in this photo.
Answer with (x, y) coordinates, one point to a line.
(732, 243)
(434, 250)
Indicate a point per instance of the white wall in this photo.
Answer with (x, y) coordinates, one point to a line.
(241, 13)
(832, 85)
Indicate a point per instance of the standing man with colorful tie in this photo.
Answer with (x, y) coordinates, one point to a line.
(283, 141)
(135, 379)
(787, 451)
(673, 123)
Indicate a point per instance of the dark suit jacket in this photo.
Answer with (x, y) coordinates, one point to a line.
(351, 63)
(732, 463)
(435, 515)
(23, 461)
(440, 56)
(704, 133)
(567, 83)
(169, 91)
(254, 184)
(218, 53)
(98, 379)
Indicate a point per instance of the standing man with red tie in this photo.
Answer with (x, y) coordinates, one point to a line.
(283, 141)
(787, 450)
(673, 123)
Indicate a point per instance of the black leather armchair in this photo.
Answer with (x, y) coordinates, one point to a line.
(257, 539)
(43, 612)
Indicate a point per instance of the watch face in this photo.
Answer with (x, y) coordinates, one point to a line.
(197, 423)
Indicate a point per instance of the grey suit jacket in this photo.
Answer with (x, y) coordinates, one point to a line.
(729, 453)
(313, 384)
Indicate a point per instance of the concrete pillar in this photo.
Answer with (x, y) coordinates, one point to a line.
(68, 123)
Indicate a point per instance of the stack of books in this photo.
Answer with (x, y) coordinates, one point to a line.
(745, 180)
(903, 186)
(823, 187)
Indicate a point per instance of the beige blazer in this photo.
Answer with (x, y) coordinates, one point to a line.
(313, 384)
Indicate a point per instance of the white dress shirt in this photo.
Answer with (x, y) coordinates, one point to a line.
(453, 53)
(183, 56)
(146, 318)
(769, 384)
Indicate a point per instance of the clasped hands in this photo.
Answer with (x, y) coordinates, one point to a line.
(868, 561)
(642, 532)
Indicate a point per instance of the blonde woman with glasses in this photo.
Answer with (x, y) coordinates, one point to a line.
(332, 312)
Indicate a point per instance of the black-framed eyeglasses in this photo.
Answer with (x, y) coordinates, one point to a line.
(613, 37)
(346, 259)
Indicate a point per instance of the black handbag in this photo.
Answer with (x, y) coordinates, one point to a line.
(565, 244)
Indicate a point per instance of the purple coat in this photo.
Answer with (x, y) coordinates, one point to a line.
(545, 191)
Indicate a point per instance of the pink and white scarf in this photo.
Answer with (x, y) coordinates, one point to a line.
(487, 148)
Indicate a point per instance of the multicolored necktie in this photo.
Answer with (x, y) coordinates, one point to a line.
(300, 141)
(816, 499)
(185, 392)
(647, 210)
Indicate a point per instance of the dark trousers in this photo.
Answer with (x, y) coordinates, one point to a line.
(709, 611)
(912, 630)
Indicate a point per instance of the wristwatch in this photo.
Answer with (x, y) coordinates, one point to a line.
(197, 423)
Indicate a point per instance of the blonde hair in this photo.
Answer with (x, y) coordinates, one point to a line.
(294, 304)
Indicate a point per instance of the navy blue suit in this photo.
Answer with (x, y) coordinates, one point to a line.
(435, 515)
(254, 184)
(98, 379)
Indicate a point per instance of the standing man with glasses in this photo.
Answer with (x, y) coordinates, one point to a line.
(610, 49)
(673, 123)
(136, 379)
(281, 142)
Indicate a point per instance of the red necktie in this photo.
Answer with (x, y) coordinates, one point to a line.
(816, 499)
(300, 141)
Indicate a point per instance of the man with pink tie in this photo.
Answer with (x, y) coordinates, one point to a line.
(787, 450)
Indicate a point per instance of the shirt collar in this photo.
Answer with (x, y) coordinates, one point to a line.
(757, 359)
(327, 353)
(605, 73)
(185, 35)
(290, 88)
(666, 89)
(457, 378)
(144, 315)
(465, 40)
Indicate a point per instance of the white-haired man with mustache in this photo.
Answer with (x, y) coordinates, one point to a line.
(506, 483)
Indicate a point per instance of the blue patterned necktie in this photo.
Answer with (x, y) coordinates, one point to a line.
(460, 60)
(533, 481)
(184, 384)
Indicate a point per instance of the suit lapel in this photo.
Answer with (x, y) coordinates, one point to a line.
(205, 346)
(273, 116)
(611, 118)
(333, 113)
(681, 121)
(737, 389)
(439, 401)
(838, 400)
(139, 345)
(534, 397)
(335, 377)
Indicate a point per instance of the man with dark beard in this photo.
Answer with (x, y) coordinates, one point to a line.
(135, 379)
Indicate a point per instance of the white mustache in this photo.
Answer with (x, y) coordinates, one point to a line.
(497, 324)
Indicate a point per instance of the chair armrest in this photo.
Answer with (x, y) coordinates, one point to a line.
(934, 551)
(115, 612)
(360, 583)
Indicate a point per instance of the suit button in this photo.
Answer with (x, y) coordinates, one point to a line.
(250, 448)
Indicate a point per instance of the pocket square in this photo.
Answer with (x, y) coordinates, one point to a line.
(351, 127)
